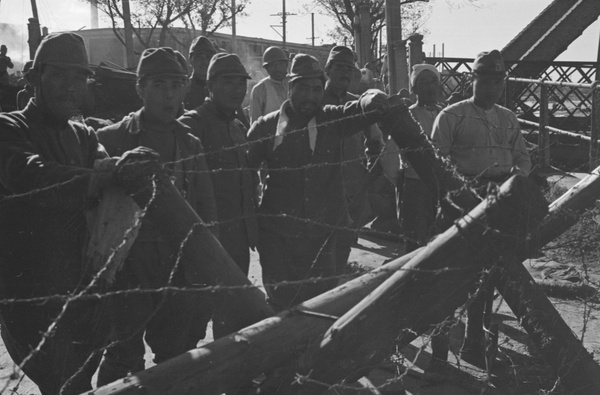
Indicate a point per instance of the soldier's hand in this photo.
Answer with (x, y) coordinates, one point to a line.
(374, 100)
(136, 167)
(399, 103)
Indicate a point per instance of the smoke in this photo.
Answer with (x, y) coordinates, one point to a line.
(15, 39)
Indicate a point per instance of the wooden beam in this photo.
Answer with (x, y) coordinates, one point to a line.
(205, 260)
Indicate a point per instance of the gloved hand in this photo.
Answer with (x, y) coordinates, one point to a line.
(136, 167)
(374, 100)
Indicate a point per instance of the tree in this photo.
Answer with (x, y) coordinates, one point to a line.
(212, 15)
(346, 13)
(148, 16)
(413, 14)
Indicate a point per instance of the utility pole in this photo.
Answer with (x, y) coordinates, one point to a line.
(283, 23)
(33, 29)
(396, 48)
(312, 28)
(362, 33)
(128, 35)
(233, 31)
(94, 14)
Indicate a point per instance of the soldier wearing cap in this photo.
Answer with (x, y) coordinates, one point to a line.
(46, 170)
(5, 63)
(168, 323)
(26, 91)
(201, 51)
(271, 91)
(483, 139)
(340, 71)
(304, 201)
(224, 138)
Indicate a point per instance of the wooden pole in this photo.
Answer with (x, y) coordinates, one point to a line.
(223, 365)
(438, 280)
(544, 134)
(130, 55)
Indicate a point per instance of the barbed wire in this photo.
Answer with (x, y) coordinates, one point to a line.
(89, 293)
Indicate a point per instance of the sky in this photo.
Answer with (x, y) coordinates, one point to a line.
(463, 30)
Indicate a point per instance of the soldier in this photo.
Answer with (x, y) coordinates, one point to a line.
(46, 170)
(340, 71)
(168, 320)
(304, 201)
(26, 91)
(271, 91)
(201, 51)
(224, 139)
(5, 63)
(483, 139)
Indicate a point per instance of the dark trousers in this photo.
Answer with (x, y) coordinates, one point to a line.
(171, 323)
(70, 355)
(302, 260)
(417, 209)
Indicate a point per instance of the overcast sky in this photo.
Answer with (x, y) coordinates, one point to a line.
(463, 30)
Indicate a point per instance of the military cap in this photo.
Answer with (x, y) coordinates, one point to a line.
(162, 61)
(226, 64)
(489, 64)
(202, 44)
(305, 66)
(62, 50)
(417, 69)
(342, 55)
(273, 54)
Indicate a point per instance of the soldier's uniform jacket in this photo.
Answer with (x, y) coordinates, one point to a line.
(304, 196)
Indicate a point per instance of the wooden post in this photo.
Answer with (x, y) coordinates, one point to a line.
(204, 259)
(128, 30)
(595, 126)
(543, 137)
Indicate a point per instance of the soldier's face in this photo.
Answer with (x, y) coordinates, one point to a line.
(228, 92)
(427, 87)
(277, 70)
(340, 75)
(488, 89)
(200, 62)
(62, 91)
(306, 96)
(163, 97)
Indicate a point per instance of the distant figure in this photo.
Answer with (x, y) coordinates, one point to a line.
(27, 91)
(271, 91)
(201, 51)
(5, 63)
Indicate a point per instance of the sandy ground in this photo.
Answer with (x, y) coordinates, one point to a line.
(523, 371)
